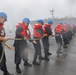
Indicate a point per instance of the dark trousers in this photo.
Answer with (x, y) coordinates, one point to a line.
(45, 41)
(20, 52)
(70, 35)
(59, 42)
(65, 38)
(17, 56)
(37, 50)
(3, 64)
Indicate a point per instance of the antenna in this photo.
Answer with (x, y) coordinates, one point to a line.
(52, 12)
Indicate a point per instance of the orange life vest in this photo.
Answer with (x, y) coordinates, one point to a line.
(2, 31)
(64, 27)
(25, 32)
(45, 26)
(59, 29)
(38, 31)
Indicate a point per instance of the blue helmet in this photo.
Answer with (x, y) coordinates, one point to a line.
(40, 21)
(50, 22)
(2, 14)
(65, 23)
(61, 23)
(26, 20)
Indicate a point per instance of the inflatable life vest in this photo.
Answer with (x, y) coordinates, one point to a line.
(47, 26)
(25, 32)
(59, 29)
(72, 27)
(2, 31)
(64, 27)
(38, 31)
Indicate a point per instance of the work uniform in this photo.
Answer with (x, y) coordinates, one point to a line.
(69, 32)
(58, 36)
(72, 28)
(3, 18)
(38, 33)
(2, 53)
(21, 51)
(65, 35)
(45, 40)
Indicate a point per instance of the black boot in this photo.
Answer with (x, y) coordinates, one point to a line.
(36, 63)
(49, 53)
(18, 69)
(7, 73)
(41, 58)
(27, 64)
(46, 57)
(65, 46)
(59, 51)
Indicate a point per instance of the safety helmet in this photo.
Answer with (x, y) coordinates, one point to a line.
(2, 14)
(61, 23)
(26, 20)
(40, 21)
(65, 22)
(50, 22)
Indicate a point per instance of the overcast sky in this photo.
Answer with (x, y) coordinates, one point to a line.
(36, 9)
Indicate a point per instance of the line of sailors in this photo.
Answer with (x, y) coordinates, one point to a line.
(41, 31)
(63, 34)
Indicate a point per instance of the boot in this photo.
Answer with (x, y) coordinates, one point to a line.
(49, 53)
(65, 46)
(46, 57)
(59, 51)
(36, 63)
(41, 58)
(7, 73)
(18, 69)
(27, 64)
